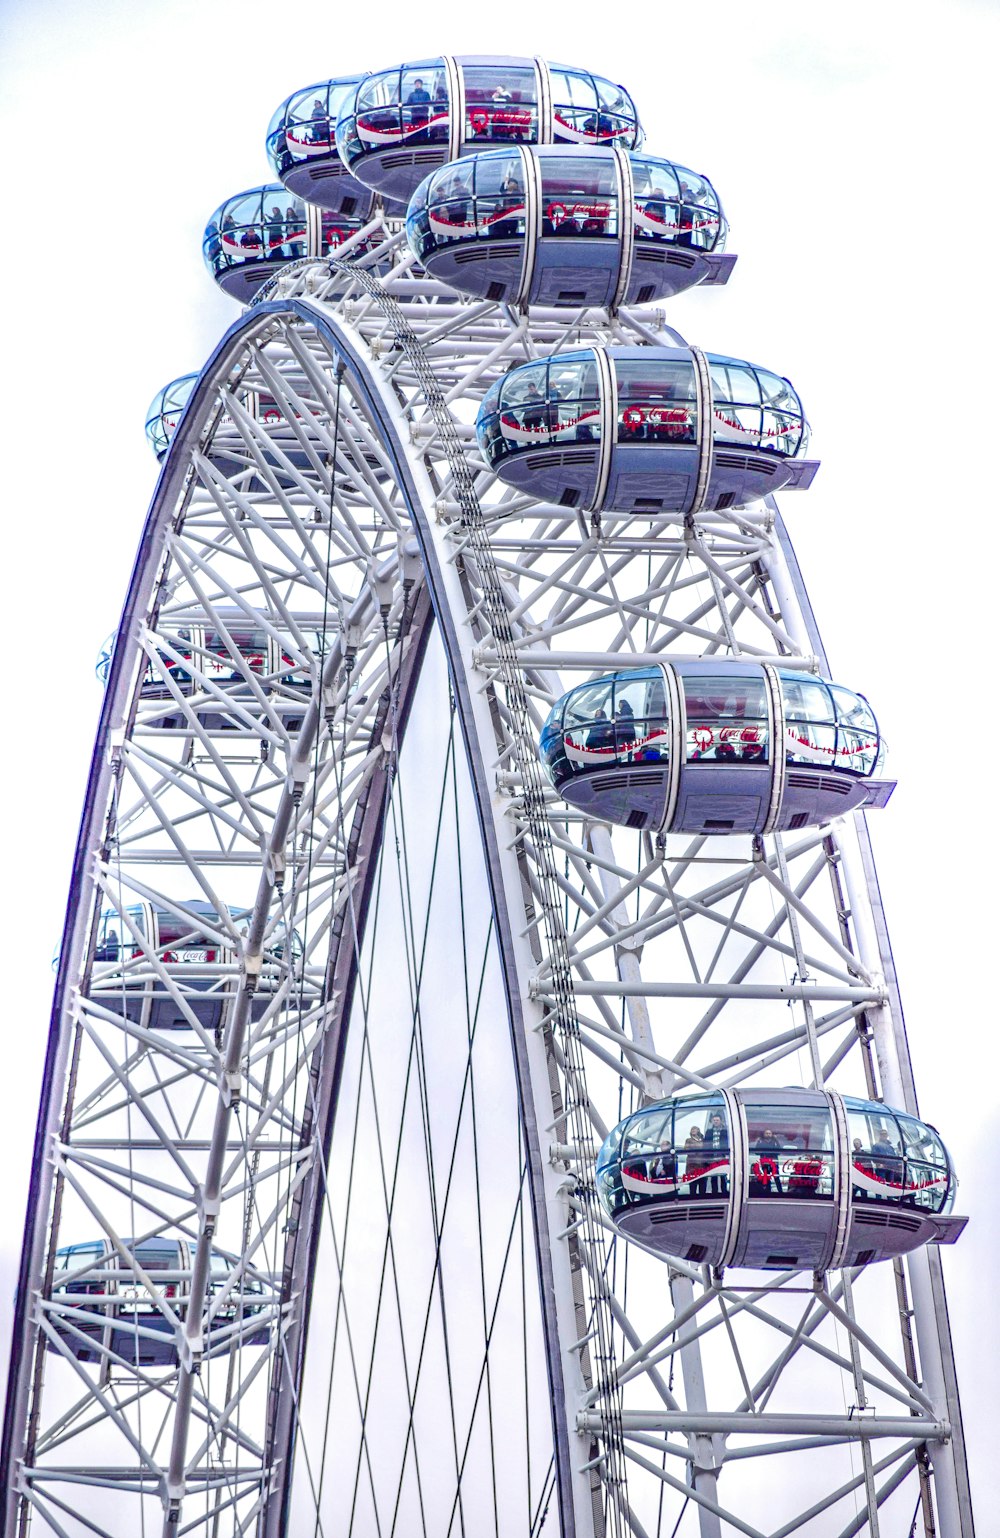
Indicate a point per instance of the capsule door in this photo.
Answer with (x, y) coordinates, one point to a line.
(725, 779)
(655, 454)
(142, 1333)
(578, 256)
(790, 1211)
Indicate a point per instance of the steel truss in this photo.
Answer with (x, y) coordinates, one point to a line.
(289, 1138)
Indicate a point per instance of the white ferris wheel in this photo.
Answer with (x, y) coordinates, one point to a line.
(478, 1099)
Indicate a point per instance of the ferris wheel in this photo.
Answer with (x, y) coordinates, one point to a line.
(477, 1098)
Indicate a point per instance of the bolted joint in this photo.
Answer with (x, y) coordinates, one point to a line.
(231, 1088)
(190, 1351)
(295, 782)
(210, 1207)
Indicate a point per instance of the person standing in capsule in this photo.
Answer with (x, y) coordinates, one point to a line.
(419, 99)
(717, 1141)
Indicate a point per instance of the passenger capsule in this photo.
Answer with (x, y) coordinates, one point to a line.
(165, 412)
(777, 1179)
(401, 123)
(645, 430)
(99, 1303)
(716, 746)
(219, 669)
(302, 148)
(562, 226)
(253, 235)
(167, 405)
(147, 958)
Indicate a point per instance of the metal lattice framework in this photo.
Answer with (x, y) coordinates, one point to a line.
(438, 987)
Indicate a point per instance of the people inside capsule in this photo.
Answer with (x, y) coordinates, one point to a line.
(667, 1173)
(467, 224)
(302, 148)
(399, 123)
(99, 1304)
(707, 764)
(654, 426)
(255, 233)
(165, 410)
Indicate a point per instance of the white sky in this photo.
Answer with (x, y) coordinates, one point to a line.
(852, 145)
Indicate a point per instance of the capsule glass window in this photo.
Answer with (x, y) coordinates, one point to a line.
(614, 720)
(499, 188)
(701, 1143)
(590, 705)
(165, 411)
(501, 104)
(826, 725)
(574, 105)
(877, 1163)
(656, 401)
(423, 102)
(727, 720)
(579, 196)
(927, 1180)
(379, 93)
(791, 1151)
(655, 200)
(857, 732)
(76, 1257)
(158, 1254)
(264, 225)
(700, 224)
(574, 400)
(589, 110)
(641, 723)
(647, 1153)
(755, 408)
(251, 645)
(310, 118)
(184, 935)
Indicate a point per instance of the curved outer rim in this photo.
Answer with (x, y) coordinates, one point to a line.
(387, 418)
(174, 472)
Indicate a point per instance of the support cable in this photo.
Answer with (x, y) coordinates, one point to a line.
(562, 1015)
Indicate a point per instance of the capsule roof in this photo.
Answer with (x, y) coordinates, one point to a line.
(777, 1179)
(693, 747)
(400, 123)
(569, 225)
(645, 429)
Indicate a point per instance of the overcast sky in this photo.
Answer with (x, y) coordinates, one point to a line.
(853, 146)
